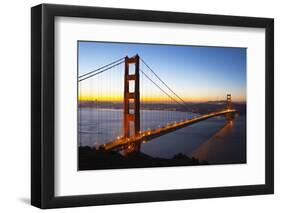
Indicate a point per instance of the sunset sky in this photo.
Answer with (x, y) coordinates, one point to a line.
(195, 73)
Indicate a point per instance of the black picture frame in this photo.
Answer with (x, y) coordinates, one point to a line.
(43, 117)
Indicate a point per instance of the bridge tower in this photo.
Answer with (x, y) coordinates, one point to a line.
(228, 101)
(229, 116)
(131, 103)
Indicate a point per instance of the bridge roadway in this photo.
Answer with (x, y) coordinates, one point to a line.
(154, 133)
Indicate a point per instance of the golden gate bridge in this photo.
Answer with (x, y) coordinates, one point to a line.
(102, 91)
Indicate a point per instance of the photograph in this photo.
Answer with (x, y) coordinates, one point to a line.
(159, 105)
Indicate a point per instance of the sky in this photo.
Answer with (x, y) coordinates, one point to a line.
(195, 73)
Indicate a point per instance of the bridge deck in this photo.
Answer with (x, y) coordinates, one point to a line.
(154, 133)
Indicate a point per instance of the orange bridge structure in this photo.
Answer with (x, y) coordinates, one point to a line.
(133, 136)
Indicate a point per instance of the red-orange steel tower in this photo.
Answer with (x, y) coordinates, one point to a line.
(229, 116)
(131, 98)
(228, 101)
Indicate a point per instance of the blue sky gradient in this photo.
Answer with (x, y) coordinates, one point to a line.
(194, 72)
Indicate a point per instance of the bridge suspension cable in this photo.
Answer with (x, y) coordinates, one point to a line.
(101, 69)
(162, 81)
(159, 87)
(115, 63)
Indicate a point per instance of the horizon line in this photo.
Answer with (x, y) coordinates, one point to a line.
(155, 101)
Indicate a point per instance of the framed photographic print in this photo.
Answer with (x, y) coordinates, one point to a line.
(140, 106)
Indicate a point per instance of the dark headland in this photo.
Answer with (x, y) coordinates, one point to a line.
(93, 159)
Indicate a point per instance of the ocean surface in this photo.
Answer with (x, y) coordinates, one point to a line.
(213, 140)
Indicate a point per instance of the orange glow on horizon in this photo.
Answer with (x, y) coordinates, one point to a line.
(119, 98)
